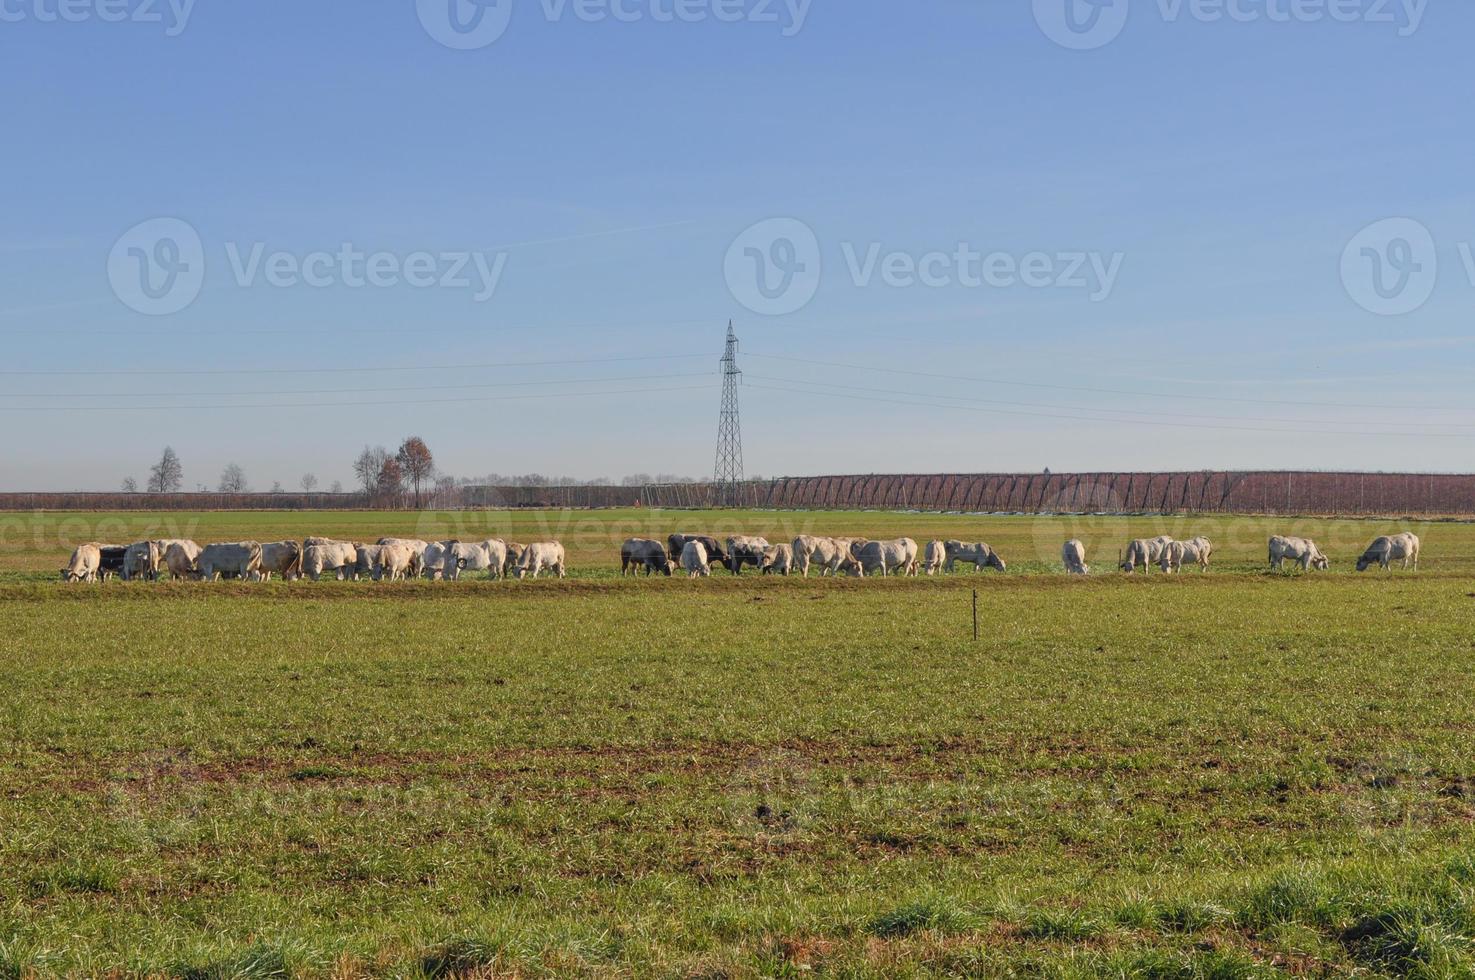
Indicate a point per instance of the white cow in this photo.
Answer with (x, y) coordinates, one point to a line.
(831, 555)
(366, 561)
(397, 561)
(83, 565)
(544, 556)
(935, 557)
(483, 556)
(1074, 557)
(1302, 550)
(338, 557)
(180, 558)
(1145, 552)
(888, 556)
(433, 559)
(694, 560)
(282, 558)
(778, 559)
(978, 554)
(415, 545)
(1390, 548)
(1195, 551)
(240, 559)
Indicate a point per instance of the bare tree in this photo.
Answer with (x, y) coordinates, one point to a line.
(337, 487)
(368, 467)
(276, 487)
(130, 485)
(417, 464)
(309, 483)
(233, 479)
(167, 475)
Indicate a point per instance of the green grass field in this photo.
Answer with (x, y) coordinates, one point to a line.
(1233, 774)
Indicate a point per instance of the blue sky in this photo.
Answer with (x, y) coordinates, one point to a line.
(605, 168)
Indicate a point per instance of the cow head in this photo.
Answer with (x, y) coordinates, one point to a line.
(996, 562)
(1320, 562)
(1363, 563)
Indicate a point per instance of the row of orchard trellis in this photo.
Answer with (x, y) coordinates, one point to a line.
(1282, 493)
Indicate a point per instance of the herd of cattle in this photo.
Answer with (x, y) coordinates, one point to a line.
(694, 554)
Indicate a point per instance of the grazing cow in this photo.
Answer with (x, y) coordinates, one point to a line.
(544, 556)
(238, 560)
(433, 559)
(111, 558)
(180, 557)
(778, 559)
(978, 554)
(1390, 548)
(282, 558)
(1145, 552)
(831, 555)
(84, 564)
(141, 560)
(1195, 551)
(396, 561)
(694, 559)
(337, 557)
(888, 556)
(1302, 550)
(1074, 557)
(366, 561)
(676, 543)
(744, 550)
(515, 552)
(483, 556)
(935, 557)
(416, 546)
(638, 553)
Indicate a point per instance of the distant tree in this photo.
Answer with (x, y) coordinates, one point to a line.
(309, 483)
(416, 464)
(636, 480)
(167, 475)
(368, 467)
(232, 479)
(130, 485)
(337, 487)
(276, 487)
(391, 482)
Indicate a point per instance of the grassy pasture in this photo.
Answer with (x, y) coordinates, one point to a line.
(1230, 774)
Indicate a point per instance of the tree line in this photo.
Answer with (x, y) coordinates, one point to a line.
(406, 476)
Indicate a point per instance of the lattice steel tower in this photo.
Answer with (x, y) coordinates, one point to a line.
(729, 470)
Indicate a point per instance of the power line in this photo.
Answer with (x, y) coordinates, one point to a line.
(1094, 391)
(1087, 418)
(350, 391)
(376, 403)
(1121, 411)
(173, 372)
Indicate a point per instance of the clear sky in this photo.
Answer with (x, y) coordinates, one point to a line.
(1141, 248)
